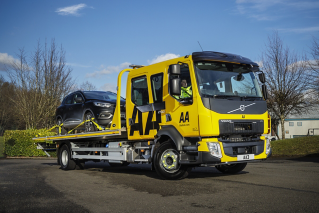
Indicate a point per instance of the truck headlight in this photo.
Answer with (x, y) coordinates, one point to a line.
(101, 104)
(268, 146)
(214, 149)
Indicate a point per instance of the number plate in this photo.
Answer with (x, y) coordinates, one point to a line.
(245, 157)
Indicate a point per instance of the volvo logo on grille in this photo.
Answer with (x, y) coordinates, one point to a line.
(241, 108)
(228, 121)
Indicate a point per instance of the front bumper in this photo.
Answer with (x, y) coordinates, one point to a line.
(230, 152)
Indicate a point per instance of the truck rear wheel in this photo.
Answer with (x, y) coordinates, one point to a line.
(65, 158)
(166, 162)
(231, 168)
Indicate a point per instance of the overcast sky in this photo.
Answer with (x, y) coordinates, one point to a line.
(103, 37)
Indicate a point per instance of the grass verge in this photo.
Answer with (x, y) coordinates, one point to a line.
(1, 147)
(296, 147)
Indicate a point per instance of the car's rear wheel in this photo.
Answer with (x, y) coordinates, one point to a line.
(63, 131)
(89, 125)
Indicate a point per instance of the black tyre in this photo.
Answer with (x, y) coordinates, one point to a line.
(166, 162)
(63, 131)
(119, 164)
(231, 168)
(65, 158)
(89, 126)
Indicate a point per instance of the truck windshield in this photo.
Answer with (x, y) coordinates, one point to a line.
(222, 80)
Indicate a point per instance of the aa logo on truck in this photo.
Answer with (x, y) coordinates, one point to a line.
(138, 126)
(184, 119)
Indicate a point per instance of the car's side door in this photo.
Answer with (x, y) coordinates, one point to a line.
(76, 110)
(67, 105)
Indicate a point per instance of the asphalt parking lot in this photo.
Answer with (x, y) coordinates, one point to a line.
(38, 185)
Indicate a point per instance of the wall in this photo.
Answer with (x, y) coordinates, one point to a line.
(295, 130)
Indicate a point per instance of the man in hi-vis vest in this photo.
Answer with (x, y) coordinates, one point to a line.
(186, 91)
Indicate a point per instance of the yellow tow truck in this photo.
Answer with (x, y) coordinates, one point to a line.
(203, 109)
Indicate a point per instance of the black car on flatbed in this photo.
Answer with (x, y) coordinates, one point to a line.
(84, 105)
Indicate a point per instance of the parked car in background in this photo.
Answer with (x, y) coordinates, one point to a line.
(84, 105)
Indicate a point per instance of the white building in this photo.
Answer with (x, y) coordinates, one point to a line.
(301, 125)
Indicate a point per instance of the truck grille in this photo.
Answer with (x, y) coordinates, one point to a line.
(229, 127)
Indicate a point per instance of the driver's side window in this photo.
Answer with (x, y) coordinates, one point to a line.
(186, 84)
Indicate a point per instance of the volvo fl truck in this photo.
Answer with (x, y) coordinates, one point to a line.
(203, 109)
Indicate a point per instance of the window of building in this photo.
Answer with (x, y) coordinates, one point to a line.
(299, 123)
(291, 123)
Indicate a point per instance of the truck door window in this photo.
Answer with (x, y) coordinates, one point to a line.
(157, 87)
(139, 90)
(186, 84)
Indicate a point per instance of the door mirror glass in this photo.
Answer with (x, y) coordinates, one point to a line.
(175, 86)
(78, 99)
(264, 90)
(262, 78)
(175, 69)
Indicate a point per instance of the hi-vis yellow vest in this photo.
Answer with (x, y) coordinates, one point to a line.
(186, 92)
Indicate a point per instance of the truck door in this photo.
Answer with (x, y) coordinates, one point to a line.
(146, 104)
(182, 111)
(138, 108)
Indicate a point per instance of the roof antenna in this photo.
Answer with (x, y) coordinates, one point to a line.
(200, 46)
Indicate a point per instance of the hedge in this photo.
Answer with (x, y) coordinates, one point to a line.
(20, 143)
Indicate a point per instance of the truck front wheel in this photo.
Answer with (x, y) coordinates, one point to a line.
(166, 162)
(65, 158)
(231, 168)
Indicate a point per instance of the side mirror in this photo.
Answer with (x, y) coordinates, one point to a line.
(264, 90)
(262, 78)
(175, 86)
(239, 77)
(78, 100)
(175, 69)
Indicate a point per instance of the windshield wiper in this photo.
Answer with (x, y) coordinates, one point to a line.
(252, 98)
(225, 96)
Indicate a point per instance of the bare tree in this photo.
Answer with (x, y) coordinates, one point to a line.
(8, 118)
(288, 80)
(4, 116)
(87, 86)
(314, 63)
(40, 83)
